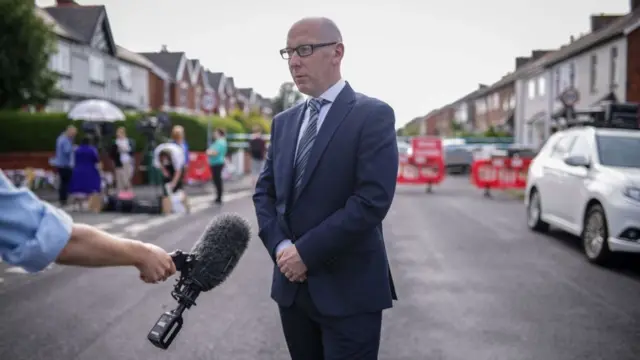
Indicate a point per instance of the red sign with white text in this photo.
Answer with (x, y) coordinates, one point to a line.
(425, 163)
(500, 173)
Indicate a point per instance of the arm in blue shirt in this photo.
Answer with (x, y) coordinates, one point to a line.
(32, 232)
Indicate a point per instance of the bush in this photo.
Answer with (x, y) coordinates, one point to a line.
(32, 132)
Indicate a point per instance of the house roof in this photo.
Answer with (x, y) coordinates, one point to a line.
(55, 26)
(214, 79)
(229, 80)
(246, 92)
(167, 61)
(614, 29)
(80, 21)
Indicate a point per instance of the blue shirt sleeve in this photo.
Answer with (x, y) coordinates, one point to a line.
(32, 232)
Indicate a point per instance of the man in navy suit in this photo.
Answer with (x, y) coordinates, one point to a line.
(327, 184)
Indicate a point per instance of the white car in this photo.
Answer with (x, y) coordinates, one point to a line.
(586, 181)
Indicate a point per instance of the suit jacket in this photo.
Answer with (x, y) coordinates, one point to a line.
(336, 222)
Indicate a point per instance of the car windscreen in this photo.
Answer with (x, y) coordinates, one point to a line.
(619, 151)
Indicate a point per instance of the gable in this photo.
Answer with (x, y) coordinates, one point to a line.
(102, 38)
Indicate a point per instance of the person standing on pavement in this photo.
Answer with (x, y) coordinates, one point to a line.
(35, 234)
(122, 155)
(63, 162)
(178, 137)
(328, 182)
(217, 153)
(257, 152)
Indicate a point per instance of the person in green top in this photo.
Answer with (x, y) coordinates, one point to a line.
(216, 153)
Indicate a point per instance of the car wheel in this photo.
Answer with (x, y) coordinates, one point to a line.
(534, 213)
(595, 236)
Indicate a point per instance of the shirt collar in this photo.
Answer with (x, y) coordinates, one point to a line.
(332, 93)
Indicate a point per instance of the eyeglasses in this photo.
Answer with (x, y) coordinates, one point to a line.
(303, 50)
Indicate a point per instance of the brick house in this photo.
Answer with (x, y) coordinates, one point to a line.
(180, 88)
(633, 57)
(495, 105)
(438, 122)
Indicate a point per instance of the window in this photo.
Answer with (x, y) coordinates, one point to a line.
(532, 89)
(512, 101)
(541, 85)
(505, 105)
(582, 146)
(496, 101)
(619, 151)
(593, 73)
(60, 61)
(613, 69)
(198, 97)
(167, 93)
(561, 148)
(557, 81)
(572, 75)
(96, 69)
(124, 74)
(184, 95)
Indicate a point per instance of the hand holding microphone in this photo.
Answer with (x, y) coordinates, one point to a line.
(209, 263)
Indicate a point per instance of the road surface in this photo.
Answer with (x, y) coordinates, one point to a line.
(473, 283)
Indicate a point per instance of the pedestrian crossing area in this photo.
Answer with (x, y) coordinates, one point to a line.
(127, 225)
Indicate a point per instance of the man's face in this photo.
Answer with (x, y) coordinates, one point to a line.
(309, 71)
(72, 132)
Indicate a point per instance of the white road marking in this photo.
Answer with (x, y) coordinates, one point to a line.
(16, 270)
(122, 221)
(104, 226)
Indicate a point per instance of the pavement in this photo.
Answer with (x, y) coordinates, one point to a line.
(150, 191)
(474, 284)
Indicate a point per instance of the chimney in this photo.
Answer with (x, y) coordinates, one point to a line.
(601, 21)
(571, 39)
(537, 54)
(482, 86)
(521, 61)
(61, 3)
(164, 48)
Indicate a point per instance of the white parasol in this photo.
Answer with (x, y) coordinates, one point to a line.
(96, 111)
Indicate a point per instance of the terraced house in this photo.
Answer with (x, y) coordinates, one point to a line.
(603, 65)
(183, 87)
(89, 62)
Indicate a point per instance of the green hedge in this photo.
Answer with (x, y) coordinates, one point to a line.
(28, 132)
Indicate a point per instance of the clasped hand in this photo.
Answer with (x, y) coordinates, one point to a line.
(291, 265)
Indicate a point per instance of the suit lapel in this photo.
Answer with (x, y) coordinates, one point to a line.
(339, 110)
(289, 148)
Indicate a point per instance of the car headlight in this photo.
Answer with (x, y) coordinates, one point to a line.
(632, 192)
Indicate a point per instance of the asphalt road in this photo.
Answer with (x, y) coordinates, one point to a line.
(473, 283)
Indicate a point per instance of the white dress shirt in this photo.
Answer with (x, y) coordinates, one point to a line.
(330, 95)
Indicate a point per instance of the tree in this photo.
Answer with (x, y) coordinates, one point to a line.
(287, 97)
(26, 44)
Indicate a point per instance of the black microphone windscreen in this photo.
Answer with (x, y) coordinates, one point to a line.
(219, 249)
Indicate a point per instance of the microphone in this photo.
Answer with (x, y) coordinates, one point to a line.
(206, 266)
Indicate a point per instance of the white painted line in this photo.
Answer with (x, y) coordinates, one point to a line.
(122, 220)
(16, 270)
(1, 280)
(103, 226)
(199, 207)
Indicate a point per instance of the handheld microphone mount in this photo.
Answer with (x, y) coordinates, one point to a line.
(185, 292)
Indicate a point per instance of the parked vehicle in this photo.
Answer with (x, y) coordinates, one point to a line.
(586, 181)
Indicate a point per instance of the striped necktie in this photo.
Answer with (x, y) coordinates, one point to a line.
(306, 142)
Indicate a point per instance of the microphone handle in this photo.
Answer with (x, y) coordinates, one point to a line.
(170, 323)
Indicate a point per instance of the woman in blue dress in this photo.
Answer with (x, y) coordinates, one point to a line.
(86, 176)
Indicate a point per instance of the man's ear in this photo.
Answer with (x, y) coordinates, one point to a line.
(338, 53)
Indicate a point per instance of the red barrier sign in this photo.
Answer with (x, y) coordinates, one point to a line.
(198, 169)
(425, 164)
(500, 173)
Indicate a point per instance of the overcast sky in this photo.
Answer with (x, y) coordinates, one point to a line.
(416, 55)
